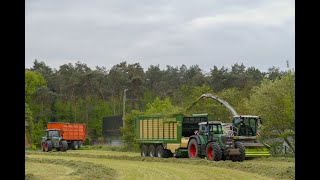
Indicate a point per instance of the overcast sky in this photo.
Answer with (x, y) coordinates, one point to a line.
(165, 32)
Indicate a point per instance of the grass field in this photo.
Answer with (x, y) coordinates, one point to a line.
(104, 164)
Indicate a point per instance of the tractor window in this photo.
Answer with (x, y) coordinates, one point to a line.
(53, 133)
(216, 129)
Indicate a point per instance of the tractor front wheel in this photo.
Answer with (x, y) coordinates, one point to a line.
(193, 149)
(47, 146)
(213, 151)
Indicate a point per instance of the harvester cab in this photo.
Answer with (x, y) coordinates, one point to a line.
(53, 139)
(246, 130)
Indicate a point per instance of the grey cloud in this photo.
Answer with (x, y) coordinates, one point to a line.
(104, 33)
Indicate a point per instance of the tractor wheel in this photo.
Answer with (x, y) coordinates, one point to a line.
(193, 149)
(47, 146)
(144, 151)
(213, 151)
(64, 145)
(152, 151)
(242, 155)
(223, 157)
(42, 146)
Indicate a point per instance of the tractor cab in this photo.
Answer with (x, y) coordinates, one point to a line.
(51, 133)
(212, 131)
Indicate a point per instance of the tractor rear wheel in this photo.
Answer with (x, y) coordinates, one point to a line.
(144, 151)
(213, 151)
(242, 150)
(152, 151)
(64, 145)
(193, 149)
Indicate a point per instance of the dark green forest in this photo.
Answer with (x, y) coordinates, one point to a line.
(79, 94)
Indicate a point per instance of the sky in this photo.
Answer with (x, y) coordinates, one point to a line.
(258, 33)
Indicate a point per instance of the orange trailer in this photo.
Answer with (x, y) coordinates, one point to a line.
(73, 133)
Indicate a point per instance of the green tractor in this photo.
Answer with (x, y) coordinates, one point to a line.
(52, 140)
(244, 129)
(210, 142)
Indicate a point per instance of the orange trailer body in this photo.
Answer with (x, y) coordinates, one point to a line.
(70, 131)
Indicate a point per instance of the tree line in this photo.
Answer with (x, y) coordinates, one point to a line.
(78, 93)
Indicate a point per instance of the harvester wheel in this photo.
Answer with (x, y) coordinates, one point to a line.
(144, 151)
(213, 151)
(193, 149)
(64, 145)
(152, 151)
(242, 155)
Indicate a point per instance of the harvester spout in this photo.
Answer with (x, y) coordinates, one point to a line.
(208, 95)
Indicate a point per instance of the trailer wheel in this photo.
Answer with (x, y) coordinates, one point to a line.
(47, 146)
(213, 151)
(242, 150)
(152, 151)
(193, 149)
(64, 145)
(144, 150)
(74, 145)
(80, 144)
(160, 152)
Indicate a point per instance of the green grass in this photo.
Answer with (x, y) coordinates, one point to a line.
(271, 167)
(78, 169)
(111, 148)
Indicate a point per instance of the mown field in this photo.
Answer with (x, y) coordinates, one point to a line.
(107, 164)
